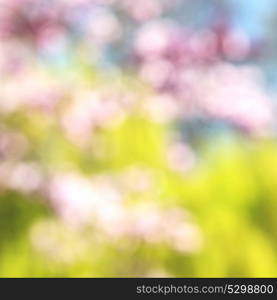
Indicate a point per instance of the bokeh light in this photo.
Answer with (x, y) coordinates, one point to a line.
(138, 138)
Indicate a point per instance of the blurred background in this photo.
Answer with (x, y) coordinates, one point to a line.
(138, 138)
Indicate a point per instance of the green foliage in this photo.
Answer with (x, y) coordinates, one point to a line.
(231, 194)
